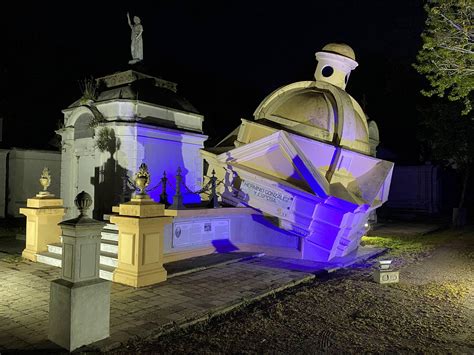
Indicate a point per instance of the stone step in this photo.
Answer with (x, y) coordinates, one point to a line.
(111, 227)
(106, 272)
(53, 259)
(108, 253)
(49, 258)
(108, 259)
(109, 246)
(109, 235)
(56, 248)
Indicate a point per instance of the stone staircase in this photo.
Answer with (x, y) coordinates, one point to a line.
(108, 252)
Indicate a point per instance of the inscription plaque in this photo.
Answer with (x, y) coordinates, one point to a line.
(269, 199)
(191, 233)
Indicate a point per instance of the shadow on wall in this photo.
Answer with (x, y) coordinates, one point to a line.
(224, 246)
(167, 155)
(110, 179)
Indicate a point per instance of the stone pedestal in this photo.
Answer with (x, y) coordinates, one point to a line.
(141, 233)
(79, 313)
(42, 217)
(79, 307)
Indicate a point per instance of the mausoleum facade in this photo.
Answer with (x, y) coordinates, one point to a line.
(134, 118)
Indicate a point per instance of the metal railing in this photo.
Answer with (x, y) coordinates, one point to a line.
(210, 189)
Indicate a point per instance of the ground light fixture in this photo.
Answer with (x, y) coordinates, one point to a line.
(385, 273)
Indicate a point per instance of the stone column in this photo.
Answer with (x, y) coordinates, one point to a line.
(79, 306)
(141, 242)
(43, 213)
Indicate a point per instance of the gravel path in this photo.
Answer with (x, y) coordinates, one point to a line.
(430, 311)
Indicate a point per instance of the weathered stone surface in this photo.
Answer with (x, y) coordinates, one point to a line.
(141, 208)
(44, 202)
(81, 251)
(79, 313)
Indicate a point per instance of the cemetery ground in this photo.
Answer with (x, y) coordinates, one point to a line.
(431, 310)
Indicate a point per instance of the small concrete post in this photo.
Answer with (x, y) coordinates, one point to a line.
(164, 195)
(213, 202)
(178, 198)
(43, 213)
(79, 306)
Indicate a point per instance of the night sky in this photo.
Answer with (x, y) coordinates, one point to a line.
(225, 58)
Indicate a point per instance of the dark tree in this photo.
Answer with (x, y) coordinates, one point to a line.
(447, 56)
(448, 137)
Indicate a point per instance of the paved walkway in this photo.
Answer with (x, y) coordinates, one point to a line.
(184, 299)
(24, 295)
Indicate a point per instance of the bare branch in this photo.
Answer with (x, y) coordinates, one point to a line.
(456, 26)
(457, 49)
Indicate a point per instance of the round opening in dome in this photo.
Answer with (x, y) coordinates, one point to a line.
(327, 71)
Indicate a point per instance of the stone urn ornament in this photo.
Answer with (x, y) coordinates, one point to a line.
(83, 202)
(45, 182)
(142, 180)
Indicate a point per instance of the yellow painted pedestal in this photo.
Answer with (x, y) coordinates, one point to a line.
(42, 218)
(141, 231)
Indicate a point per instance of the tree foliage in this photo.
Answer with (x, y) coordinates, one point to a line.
(448, 137)
(446, 58)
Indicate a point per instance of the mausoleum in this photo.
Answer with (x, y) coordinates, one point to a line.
(123, 120)
(300, 181)
(306, 160)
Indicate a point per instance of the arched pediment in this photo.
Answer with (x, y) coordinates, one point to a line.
(82, 126)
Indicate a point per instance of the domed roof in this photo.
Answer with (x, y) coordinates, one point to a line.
(321, 109)
(317, 110)
(340, 48)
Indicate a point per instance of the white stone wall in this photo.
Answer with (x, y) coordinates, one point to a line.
(100, 174)
(25, 167)
(167, 149)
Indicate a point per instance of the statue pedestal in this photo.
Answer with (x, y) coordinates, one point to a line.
(140, 256)
(42, 217)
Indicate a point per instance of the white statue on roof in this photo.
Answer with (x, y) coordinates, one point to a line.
(137, 39)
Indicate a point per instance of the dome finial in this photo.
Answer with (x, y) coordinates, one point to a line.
(340, 48)
(335, 63)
